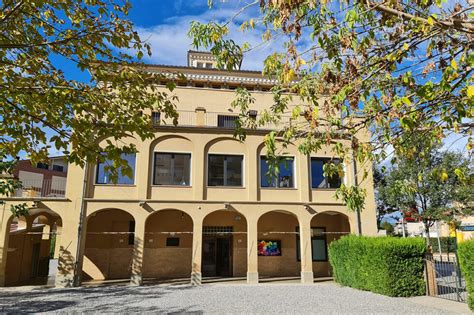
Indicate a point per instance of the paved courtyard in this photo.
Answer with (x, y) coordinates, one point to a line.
(326, 297)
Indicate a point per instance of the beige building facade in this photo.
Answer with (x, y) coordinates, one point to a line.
(200, 204)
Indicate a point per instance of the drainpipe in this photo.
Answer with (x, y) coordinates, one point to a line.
(77, 272)
(354, 181)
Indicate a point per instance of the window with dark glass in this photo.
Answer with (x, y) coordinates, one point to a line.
(172, 242)
(284, 177)
(155, 118)
(43, 166)
(58, 168)
(103, 174)
(172, 169)
(226, 121)
(318, 179)
(319, 246)
(224, 170)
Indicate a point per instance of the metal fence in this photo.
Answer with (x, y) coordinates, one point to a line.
(445, 279)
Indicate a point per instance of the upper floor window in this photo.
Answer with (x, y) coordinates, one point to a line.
(172, 169)
(318, 179)
(43, 166)
(155, 118)
(58, 168)
(225, 170)
(284, 177)
(226, 121)
(103, 175)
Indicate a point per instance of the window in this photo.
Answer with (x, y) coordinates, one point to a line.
(283, 179)
(131, 232)
(319, 251)
(58, 168)
(208, 65)
(43, 166)
(200, 65)
(155, 118)
(103, 175)
(318, 180)
(224, 170)
(172, 242)
(226, 121)
(172, 169)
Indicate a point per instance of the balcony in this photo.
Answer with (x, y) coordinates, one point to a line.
(46, 188)
(226, 120)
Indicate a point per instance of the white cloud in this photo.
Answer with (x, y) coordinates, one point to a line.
(170, 41)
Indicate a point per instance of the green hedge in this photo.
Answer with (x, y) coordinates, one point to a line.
(386, 265)
(466, 260)
(448, 244)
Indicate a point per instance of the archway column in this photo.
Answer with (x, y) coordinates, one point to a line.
(136, 277)
(196, 275)
(252, 251)
(306, 251)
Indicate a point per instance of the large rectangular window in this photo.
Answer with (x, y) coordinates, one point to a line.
(318, 180)
(284, 178)
(224, 170)
(319, 246)
(172, 169)
(103, 175)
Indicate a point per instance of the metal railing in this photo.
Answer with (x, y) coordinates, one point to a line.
(42, 188)
(227, 121)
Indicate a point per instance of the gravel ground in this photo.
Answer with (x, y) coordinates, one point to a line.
(227, 298)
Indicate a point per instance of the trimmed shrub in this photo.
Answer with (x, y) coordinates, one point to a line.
(385, 265)
(466, 260)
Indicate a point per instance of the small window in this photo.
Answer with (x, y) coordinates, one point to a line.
(318, 180)
(131, 232)
(58, 168)
(43, 166)
(284, 177)
(319, 246)
(200, 65)
(172, 242)
(226, 121)
(172, 169)
(224, 170)
(103, 175)
(208, 65)
(155, 118)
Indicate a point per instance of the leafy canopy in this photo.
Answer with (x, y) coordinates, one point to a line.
(397, 68)
(43, 108)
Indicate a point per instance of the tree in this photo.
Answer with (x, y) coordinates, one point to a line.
(42, 107)
(387, 227)
(437, 184)
(399, 68)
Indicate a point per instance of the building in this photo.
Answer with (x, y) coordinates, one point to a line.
(200, 203)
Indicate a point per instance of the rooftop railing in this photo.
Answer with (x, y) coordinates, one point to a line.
(45, 188)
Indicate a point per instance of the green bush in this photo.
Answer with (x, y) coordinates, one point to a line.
(386, 265)
(466, 260)
(448, 244)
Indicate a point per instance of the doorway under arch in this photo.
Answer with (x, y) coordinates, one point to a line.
(326, 227)
(224, 244)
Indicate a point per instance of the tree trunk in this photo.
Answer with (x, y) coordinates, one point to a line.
(427, 234)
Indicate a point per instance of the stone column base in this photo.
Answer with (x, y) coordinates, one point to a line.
(136, 280)
(196, 278)
(64, 281)
(307, 277)
(252, 277)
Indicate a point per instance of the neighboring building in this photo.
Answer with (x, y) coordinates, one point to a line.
(200, 203)
(465, 230)
(43, 179)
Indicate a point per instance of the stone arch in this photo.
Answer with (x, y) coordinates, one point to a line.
(29, 247)
(327, 226)
(109, 244)
(224, 243)
(277, 244)
(168, 244)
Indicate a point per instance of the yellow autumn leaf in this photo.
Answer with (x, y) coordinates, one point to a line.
(430, 21)
(444, 176)
(454, 64)
(470, 91)
(405, 46)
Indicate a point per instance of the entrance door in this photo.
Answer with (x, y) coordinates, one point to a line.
(216, 256)
(35, 260)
